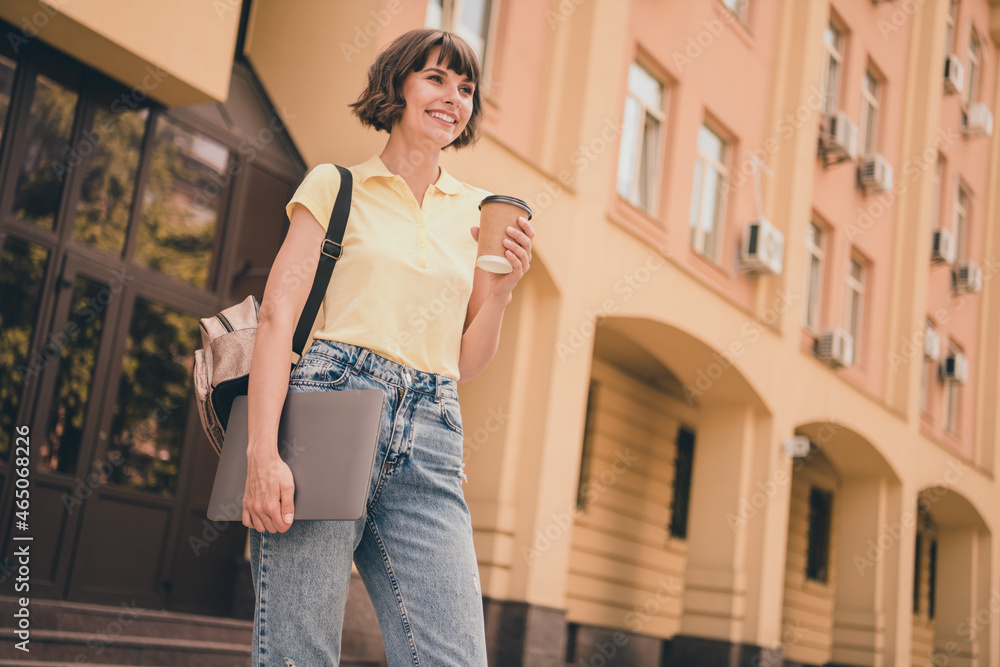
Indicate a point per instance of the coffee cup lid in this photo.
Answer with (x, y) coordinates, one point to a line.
(506, 200)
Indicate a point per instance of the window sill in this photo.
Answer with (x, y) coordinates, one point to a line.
(639, 222)
(712, 264)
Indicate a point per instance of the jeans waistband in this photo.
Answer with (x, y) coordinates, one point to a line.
(363, 359)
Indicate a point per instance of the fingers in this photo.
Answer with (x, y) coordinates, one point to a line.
(475, 233)
(287, 507)
(518, 253)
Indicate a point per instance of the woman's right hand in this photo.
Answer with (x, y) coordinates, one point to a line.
(270, 491)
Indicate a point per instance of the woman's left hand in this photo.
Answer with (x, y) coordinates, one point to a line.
(518, 253)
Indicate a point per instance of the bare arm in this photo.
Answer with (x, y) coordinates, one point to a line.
(491, 293)
(483, 320)
(270, 487)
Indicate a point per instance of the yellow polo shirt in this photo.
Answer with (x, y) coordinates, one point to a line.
(402, 286)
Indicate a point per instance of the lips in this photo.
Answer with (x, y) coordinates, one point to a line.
(449, 123)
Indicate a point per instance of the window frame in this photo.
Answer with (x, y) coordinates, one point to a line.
(698, 235)
(740, 10)
(925, 378)
(812, 309)
(936, 198)
(975, 69)
(834, 53)
(451, 12)
(871, 108)
(653, 147)
(961, 215)
(950, 23)
(952, 398)
(856, 287)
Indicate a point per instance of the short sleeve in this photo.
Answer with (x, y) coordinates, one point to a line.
(317, 192)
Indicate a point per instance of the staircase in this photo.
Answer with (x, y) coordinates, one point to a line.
(68, 634)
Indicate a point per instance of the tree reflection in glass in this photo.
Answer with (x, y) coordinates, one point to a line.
(22, 273)
(60, 448)
(39, 184)
(7, 67)
(152, 405)
(112, 146)
(182, 202)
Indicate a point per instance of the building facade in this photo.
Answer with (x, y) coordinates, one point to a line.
(745, 405)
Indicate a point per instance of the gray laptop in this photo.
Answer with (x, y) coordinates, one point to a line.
(327, 438)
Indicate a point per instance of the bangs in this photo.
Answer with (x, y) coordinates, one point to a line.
(456, 55)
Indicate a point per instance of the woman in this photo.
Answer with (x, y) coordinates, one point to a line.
(406, 312)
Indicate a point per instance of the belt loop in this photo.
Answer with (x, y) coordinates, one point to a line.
(359, 364)
(437, 387)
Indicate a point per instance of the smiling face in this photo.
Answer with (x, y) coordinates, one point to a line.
(439, 102)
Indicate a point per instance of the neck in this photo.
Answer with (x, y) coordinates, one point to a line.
(411, 159)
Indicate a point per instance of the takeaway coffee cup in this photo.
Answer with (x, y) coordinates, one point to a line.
(497, 213)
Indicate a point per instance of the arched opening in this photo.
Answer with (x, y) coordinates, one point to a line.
(952, 606)
(843, 535)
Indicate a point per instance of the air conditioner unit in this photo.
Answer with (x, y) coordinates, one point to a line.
(875, 173)
(968, 277)
(943, 249)
(955, 368)
(840, 136)
(977, 121)
(763, 247)
(954, 75)
(932, 343)
(835, 347)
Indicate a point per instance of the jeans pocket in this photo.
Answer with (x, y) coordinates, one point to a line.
(319, 370)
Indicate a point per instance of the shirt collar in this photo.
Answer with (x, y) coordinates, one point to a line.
(446, 183)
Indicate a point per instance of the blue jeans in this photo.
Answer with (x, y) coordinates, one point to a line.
(413, 545)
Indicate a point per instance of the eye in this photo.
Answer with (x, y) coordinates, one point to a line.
(467, 90)
(436, 77)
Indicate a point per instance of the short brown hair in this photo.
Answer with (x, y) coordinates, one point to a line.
(381, 103)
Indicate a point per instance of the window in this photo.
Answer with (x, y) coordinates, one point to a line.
(815, 241)
(870, 93)
(638, 162)
(917, 564)
(932, 578)
(854, 317)
(951, 397)
(818, 544)
(738, 7)
(936, 194)
(470, 19)
(972, 83)
(949, 38)
(707, 198)
(925, 374)
(683, 467)
(962, 205)
(833, 43)
(588, 447)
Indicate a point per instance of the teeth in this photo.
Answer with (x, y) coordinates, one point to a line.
(442, 117)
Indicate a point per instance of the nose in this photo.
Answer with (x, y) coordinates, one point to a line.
(451, 95)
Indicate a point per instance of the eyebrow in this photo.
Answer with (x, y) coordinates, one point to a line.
(441, 71)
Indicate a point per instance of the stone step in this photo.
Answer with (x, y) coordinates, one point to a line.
(105, 622)
(80, 647)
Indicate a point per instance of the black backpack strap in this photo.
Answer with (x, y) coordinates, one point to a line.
(330, 252)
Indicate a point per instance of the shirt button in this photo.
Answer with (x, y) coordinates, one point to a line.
(421, 245)
(420, 224)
